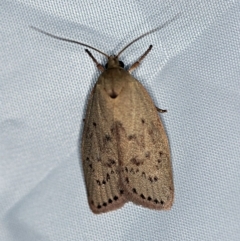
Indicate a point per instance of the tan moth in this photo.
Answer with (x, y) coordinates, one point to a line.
(125, 150)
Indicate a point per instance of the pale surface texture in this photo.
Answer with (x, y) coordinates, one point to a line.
(192, 71)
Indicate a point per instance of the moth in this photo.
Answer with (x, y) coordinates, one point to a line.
(125, 150)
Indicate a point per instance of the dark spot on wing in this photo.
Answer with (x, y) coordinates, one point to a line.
(132, 171)
(110, 162)
(112, 130)
(142, 196)
(159, 160)
(107, 138)
(105, 204)
(136, 162)
(150, 179)
(147, 154)
(131, 137)
(113, 94)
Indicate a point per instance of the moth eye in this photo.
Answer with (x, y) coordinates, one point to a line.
(106, 66)
(121, 64)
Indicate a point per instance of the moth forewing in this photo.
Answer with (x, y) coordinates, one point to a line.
(99, 155)
(144, 154)
(124, 147)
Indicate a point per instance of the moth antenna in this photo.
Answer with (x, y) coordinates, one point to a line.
(68, 40)
(99, 66)
(151, 31)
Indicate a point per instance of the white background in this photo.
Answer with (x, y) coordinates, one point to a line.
(193, 71)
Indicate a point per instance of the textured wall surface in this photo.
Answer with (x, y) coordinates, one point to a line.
(192, 71)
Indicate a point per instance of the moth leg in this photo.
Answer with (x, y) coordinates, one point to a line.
(99, 66)
(160, 110)
(137, 63)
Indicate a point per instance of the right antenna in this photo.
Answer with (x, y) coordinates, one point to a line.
(151, 31)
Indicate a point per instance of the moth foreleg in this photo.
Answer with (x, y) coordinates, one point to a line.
(160, 110)
(137, 63)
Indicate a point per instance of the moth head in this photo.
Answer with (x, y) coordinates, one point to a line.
(113, 62)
